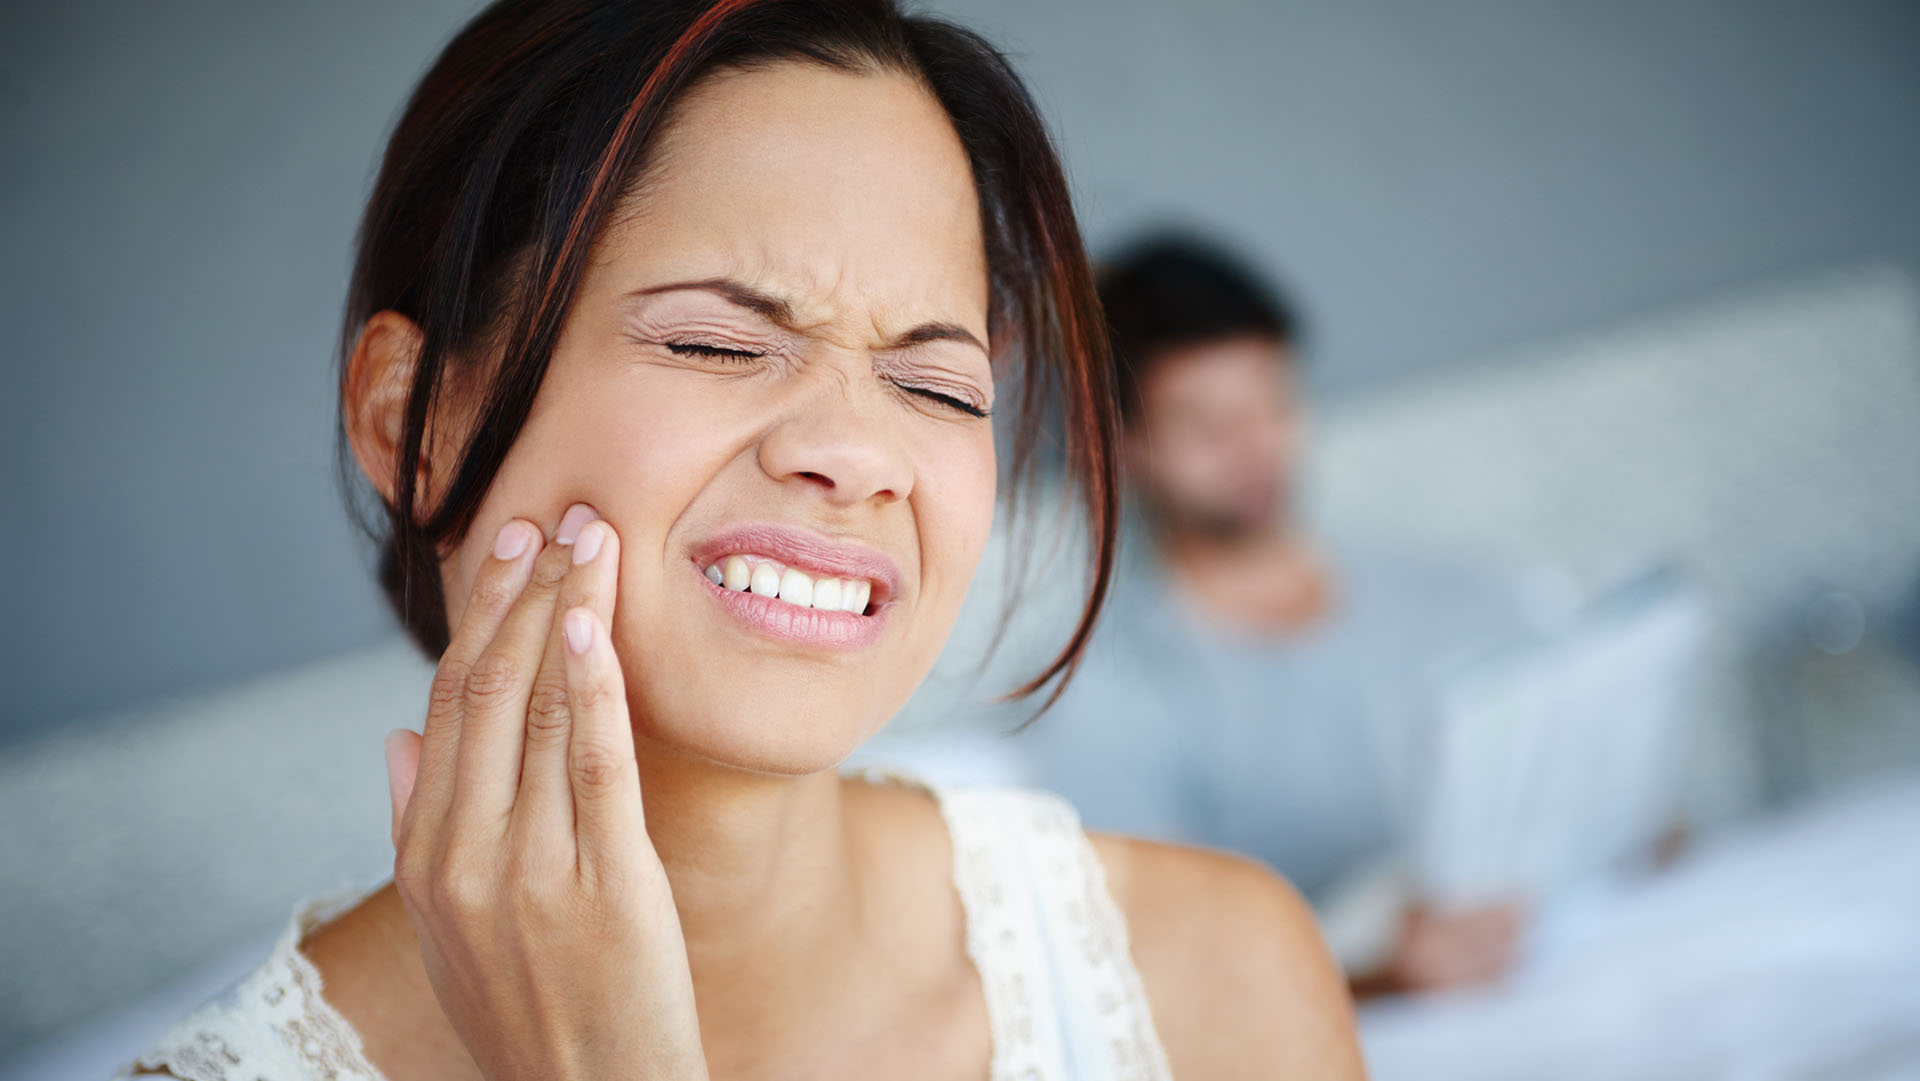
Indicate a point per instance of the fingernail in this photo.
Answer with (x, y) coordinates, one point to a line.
(578, 631)
(588, 544)
(577, 515)
(512, 540)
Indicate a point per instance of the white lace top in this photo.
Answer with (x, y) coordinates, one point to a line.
(1064, 1001)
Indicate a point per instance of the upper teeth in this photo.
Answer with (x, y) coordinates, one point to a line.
(761, 575)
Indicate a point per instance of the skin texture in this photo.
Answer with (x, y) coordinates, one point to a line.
(1214, 450)
(747, 913)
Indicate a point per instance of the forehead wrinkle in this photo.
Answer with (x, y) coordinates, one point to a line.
(821, 283)
(817, 280)
(822, 304)
(896, 325)
(815, 309)
(796, 284)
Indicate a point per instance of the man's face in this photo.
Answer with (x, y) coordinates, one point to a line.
(1213, 447)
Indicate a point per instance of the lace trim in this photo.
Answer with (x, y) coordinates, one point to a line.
(1047, 937)
(273, 1023)
(1005, 944)
(1118, 995)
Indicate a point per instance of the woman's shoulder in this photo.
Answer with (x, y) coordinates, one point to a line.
(270, 1023)
(1210, 956)
(1240, 981)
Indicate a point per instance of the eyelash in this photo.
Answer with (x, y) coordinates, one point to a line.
(717, 352)
(696, 349)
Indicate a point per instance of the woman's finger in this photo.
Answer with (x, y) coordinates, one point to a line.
(496, 586)
(609, 826)
(487, 772)
(543, 812)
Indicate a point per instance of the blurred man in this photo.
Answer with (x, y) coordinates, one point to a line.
(1253, 686)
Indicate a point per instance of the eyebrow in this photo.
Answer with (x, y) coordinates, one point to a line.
(779, 311)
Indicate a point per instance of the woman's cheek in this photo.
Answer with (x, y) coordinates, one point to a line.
(974, 500)
(956, 491)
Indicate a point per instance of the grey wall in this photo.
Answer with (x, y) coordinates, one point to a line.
(179, 185)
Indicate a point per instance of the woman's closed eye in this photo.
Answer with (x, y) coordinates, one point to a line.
(929, 393)
(934, 395)
(722, 352)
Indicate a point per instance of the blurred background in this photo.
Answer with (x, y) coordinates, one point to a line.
(1613, 303)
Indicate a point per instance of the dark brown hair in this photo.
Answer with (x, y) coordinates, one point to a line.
(526, 132)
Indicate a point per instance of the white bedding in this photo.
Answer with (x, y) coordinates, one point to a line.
(1789, 949)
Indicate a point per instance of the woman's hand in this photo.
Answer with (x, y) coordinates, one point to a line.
(542, 910)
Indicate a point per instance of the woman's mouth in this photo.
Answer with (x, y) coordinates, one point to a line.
(747, 572)
(798, 586)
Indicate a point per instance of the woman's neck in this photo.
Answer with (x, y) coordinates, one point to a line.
(756, 861)
(769, 887)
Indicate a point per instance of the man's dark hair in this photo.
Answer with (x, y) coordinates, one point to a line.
(1170, 291)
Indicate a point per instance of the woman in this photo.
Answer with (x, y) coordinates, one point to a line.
(678, 327)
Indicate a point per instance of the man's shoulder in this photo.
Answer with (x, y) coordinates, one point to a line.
(1236, 971)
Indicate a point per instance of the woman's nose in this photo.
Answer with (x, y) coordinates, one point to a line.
(838, 440)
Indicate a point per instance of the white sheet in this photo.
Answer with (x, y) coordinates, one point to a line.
(1787, 950)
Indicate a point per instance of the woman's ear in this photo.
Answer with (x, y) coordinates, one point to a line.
(379, 377)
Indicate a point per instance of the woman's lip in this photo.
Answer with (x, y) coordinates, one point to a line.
(802, 626)
(803, 550)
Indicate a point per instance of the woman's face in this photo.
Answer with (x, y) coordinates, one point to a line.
(771, 373)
